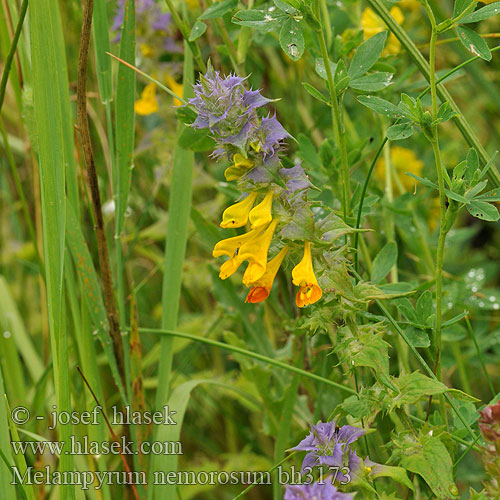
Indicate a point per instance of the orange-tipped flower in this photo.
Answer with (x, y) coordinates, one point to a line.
(231, 248)
(262, 287)
(260, 215)
(237, 215)
(255, 251)
(303, 276)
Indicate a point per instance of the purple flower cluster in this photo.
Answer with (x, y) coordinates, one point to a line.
(229, 111)
(329, 445)
(315, 491)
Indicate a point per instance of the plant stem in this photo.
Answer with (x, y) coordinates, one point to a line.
(184, 29)
(12, 51)
(442, 202)
(339, 132)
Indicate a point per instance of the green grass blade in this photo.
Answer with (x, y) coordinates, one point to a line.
(124, 115)
(11, 320)
(7, 491)
(50, 90)
(100, 29)
(89, 286)
(179, 213)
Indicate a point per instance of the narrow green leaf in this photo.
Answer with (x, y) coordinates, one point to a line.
(319, 67)
(218, 9)
(315, 93)
(460, 6)
(380, 106)
(100, 29)
(484, 13)
(7, 490)
(384, 261)
(124, 115)
(262, 20)
(292, 39)
(400, 131)
(367, 55)
(424, 181)
(371, 83)
(50, 89)
(493, 195)
(473, 43)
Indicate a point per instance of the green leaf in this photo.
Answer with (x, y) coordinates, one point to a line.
(472, 163)
(424, 308)
(423, 180)
(400, 131)
(319, 67)
(445, 112)
(396, 473)
(460, 6)
(367, 55)
(493, 195)
(418, 337)
(262, 20)
(218, 9)
(483, 210)
(292, 39)
(380, 106)
(195, 139)
(413, 387)
(384, 261)
(285, 7)
(429, 458)
(484, 13)
(462, 396)
(371, 83)
(197, 30)
(473, 43)
(315, 93)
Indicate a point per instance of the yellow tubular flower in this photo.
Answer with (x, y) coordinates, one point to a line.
(262, 287)
(260, 215)
(255, 251)
(303, 276)
(241, 165)
(372, 24)
(147, 104)
(175, 87)
(231, 248)
(237, 215)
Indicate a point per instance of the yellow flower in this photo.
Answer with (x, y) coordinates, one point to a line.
(260, 215)
(231, 247)
(240, 166)
(303, 276)
(415, 5)
(176, 88)
(147, 104)
(403, 160)
(255, 251)
(262, 287)
(146, 50)
(372, 24)
(237, 215)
